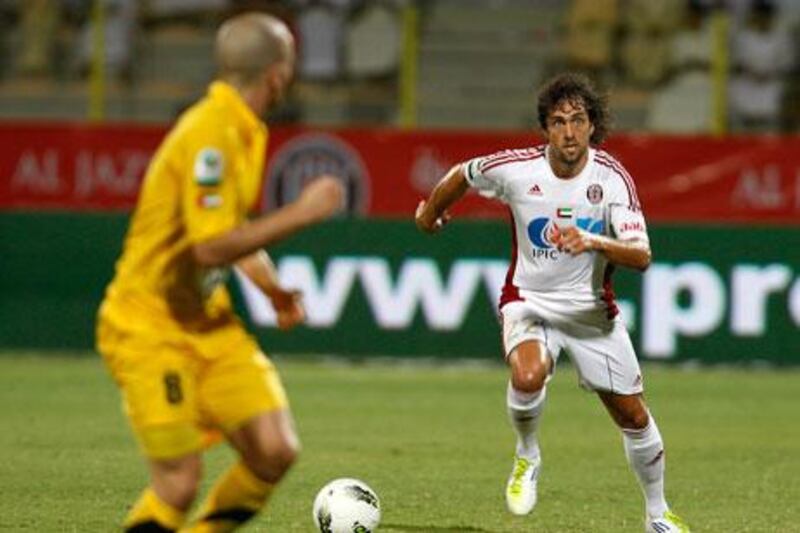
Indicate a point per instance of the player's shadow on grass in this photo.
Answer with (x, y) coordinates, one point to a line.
(435, 529)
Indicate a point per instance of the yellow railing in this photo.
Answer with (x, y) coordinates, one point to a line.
(97, 67)
(720, 24)
(408, 67)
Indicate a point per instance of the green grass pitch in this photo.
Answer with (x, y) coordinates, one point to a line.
(433, 442)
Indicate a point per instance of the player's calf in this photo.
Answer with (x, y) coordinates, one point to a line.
(177, 481)
(163, 506)
(524, 410)
(628, 410)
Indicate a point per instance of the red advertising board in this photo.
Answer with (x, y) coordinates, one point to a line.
(73, 166)
(691, 179)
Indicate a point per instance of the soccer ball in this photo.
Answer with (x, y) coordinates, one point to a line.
(346, 506)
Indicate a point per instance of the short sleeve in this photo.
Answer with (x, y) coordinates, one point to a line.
(625, 212)
(211, 203)
(628, 224)
(484, 177)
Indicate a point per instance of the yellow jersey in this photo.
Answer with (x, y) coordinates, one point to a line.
(203, 181)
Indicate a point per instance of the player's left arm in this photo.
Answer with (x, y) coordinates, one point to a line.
(432, 214)
(626, 243)
(288, 304)
(633, 252)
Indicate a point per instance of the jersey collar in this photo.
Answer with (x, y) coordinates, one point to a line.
(577, 177)
(228, 96)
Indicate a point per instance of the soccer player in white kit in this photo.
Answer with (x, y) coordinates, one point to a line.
(575, 217)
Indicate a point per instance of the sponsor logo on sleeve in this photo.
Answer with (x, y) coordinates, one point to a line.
(208, 167)
(631, 226)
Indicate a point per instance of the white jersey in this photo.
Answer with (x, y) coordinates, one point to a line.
(601, 199)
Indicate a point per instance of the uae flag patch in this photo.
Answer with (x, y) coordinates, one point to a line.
(564, 212)
(209, 201)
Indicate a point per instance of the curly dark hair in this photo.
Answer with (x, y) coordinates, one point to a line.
(575, 88)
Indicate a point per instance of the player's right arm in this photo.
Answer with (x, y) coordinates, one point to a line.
(481, 173)
(288, 303)
(432, 213)
(317, 202)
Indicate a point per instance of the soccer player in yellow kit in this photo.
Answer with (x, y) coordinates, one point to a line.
(166, 328)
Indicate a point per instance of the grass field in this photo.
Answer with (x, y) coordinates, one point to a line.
(434, 443)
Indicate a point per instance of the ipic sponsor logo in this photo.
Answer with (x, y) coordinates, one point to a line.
(306, 157)
(738, 298)
(540, 232)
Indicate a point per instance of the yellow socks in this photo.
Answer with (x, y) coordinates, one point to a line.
(235, 498)
(151, 515)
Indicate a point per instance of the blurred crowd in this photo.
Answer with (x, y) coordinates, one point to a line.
(338, 37)
(665, 49)
(668, 46)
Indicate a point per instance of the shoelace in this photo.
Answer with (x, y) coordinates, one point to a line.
(520, 467)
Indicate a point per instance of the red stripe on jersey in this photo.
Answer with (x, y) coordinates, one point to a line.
(510, 292)
(500, 163)
(485, 165)
(610, 159)
(508, 156)
(606, 160)
(608, 295)
(627, 186)
(503, 154)
(616, 165)
(632, 199)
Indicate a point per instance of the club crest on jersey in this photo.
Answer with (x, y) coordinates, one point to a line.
(594, 193)
(208, 167)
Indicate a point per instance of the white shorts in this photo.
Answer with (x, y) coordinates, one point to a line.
(604, 357)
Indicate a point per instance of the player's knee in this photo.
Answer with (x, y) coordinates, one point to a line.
(529, 367)
(287, 453)
(271, 463)
(529, 381)
(639, 419)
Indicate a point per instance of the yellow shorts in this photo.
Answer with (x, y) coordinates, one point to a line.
(177, 387)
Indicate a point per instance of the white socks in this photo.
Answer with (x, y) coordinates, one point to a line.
(643, 447)
(645, 451)
(524, 410)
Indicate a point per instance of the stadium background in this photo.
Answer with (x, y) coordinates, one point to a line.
(390, 94)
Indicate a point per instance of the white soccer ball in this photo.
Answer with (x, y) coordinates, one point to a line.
(347, 506)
